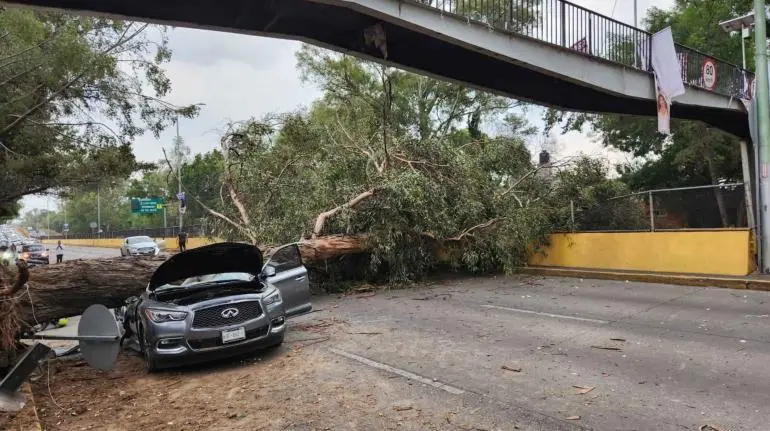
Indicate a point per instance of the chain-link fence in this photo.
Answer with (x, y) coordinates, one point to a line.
(168, 232)
(703, 207)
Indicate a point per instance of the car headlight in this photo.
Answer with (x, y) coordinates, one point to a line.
(160, 316)
(273, 298)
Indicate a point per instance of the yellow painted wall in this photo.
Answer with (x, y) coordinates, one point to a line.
(724, 252)
(170, 243)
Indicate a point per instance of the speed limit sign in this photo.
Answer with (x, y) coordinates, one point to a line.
(709, 73)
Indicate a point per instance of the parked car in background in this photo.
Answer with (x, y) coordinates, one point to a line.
(215, 301)
(34, 254)
(139, 246)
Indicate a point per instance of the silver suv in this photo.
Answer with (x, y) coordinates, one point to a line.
(216, 301)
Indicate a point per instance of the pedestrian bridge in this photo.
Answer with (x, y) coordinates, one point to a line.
(549, 52)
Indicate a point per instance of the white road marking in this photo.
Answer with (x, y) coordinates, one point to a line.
(403, 373)
(539, 313)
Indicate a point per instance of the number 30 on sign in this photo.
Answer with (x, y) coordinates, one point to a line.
(709, 74)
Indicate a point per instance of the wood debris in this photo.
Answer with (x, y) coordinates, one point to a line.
(583, 389)
(616, 349)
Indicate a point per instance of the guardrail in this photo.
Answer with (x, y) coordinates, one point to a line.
(169, 232)
(564, 24)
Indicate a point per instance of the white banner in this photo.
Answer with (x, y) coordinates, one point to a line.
(664, 110)
(666, 65)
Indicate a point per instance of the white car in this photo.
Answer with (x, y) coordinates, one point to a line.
(139, 246)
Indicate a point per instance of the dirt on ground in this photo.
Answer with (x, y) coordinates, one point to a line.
(298, 386)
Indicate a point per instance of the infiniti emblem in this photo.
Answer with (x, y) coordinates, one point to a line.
(229, 312)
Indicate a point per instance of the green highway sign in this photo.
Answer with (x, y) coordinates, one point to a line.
(146, 205)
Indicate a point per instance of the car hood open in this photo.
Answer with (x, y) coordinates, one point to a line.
(210, 259)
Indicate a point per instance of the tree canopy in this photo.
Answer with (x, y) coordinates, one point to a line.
(73, 96)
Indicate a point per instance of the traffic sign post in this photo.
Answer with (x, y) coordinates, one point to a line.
(146, 205)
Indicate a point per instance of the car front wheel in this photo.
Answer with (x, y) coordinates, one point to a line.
(150, 364)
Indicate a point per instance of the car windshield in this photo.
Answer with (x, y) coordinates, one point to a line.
(223, 277)
(33, 248)
(138, 239)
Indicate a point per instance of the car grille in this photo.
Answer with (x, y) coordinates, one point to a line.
(205, 343)
(212, 317)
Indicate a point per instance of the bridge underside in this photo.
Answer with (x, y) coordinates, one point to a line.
(341, 28)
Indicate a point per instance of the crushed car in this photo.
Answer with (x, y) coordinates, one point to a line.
(215, 301)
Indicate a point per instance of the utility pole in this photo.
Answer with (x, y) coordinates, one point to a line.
(763, 120)
(180, 162)
(98, 212)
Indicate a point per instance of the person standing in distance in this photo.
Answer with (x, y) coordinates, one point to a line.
(182, 239)
(59, 253)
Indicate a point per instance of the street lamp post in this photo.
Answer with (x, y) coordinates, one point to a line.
(179, 167)
(763, 122)
(743, 25)
(179, 175)
(98, 211)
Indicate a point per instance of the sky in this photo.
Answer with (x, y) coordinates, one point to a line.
(239, 76)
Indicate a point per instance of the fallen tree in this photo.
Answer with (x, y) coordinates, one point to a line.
(64, 290)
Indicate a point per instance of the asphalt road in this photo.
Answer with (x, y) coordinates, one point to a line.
(511, 350)
(686, 356)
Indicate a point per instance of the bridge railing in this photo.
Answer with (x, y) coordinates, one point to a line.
(564, 24)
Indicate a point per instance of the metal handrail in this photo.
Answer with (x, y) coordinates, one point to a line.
(567, 25)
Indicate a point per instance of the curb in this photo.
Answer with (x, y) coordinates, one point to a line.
(677, 279)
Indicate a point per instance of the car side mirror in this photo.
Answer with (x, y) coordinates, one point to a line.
(269, 271)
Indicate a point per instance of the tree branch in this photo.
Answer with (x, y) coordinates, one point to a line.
(246, 231)
(122, 40)
(469, 232)
(228, 180)
(319, 223)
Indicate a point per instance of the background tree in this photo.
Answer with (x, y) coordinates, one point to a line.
(72, 98)
(695, 154)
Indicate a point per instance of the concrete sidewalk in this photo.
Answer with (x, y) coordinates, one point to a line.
(751, 282)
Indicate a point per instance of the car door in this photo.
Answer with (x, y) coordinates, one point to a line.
(285, 271)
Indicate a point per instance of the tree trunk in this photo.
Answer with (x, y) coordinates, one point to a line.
(68, 289)
(718, 192)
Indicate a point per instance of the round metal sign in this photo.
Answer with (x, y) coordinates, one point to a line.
(97, 321)
(92, 224)
(709, 73)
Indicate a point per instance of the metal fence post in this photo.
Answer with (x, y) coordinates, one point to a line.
(652, 215)
(563, 24)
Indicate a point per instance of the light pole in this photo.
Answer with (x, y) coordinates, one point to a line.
(180, 161)
(179, 173)
(763, 122)
(98, 212)
(743, 25)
